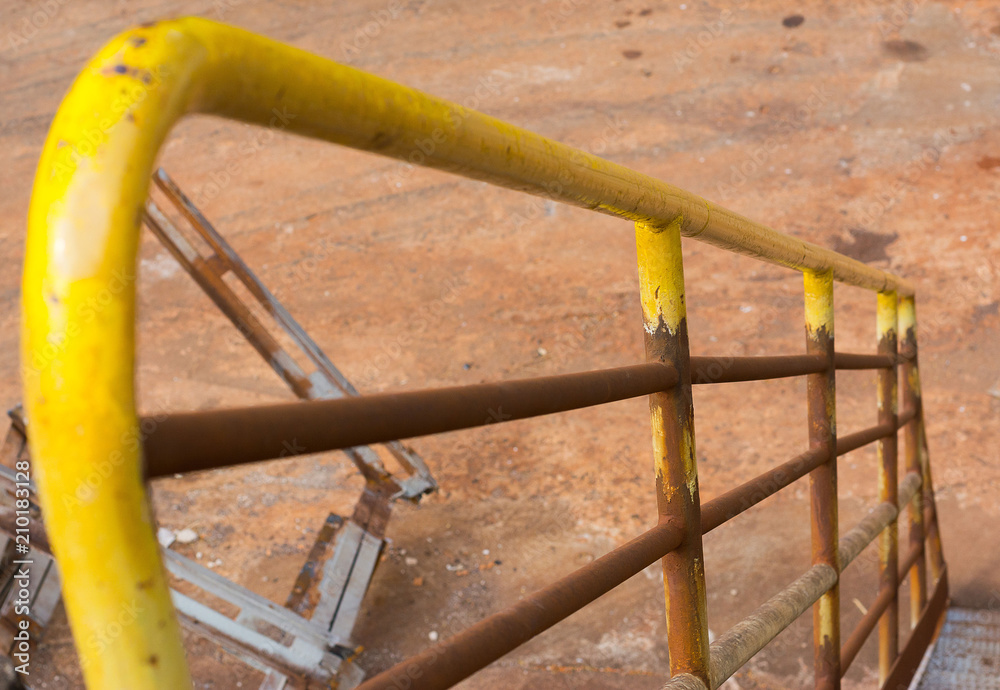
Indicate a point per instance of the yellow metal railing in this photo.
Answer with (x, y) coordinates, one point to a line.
(78, 361)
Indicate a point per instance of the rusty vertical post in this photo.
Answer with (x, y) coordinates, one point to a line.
(908, 328)
(823, 480)
(661, 282)
(911, 434)
(888, 486)
(936, 553)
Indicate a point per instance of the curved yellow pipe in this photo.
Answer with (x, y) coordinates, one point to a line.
(79, 308)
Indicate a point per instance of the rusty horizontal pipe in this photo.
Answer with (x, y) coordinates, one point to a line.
(489, 631)
(741, 642)
(732, 369)
(36, 529)
(880, 517)
(850, 361)
(683, 681)
(742, 498)
(864, 533)
(735, 647)
(479, 645)
(845, 444)
(191, 441)
(854, 542)
(864, 628)
(861, 633)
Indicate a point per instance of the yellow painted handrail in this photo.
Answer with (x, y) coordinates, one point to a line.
(79, 298)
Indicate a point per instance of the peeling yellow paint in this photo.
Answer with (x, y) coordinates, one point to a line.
(907, 316)
(886, 322)
(886, 312)
(661, 275)
(819, 301)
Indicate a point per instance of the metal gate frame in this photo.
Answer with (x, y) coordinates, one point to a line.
(87, 204)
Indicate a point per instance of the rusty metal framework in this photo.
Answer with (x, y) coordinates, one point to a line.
(79, 372)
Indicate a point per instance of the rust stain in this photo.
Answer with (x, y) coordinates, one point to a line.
(907, 51)
(988, 162)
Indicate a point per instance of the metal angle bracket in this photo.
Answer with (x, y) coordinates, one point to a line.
(325, 381)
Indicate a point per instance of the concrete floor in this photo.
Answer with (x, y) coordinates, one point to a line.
(868, 128)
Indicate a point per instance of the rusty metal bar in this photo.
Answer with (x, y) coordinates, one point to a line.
(904, 417)
(732, 369)
(194, 441)
(864, 628)
(888, 550)
(818, 289)
(909, 659)
(911, 435)
(737, 646)
(226, 258)
(212, 284)
(734, 648)
(684, 681)
(857, 639)
(458, 657)
(187, 442)
(873, 524)
(851, 442)
(912, 556)
(215, 287)
(661, 293)
(865, 532)
(464, 654)
(742, 498)
(935, 551)
(850, 361)
(469, 651)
